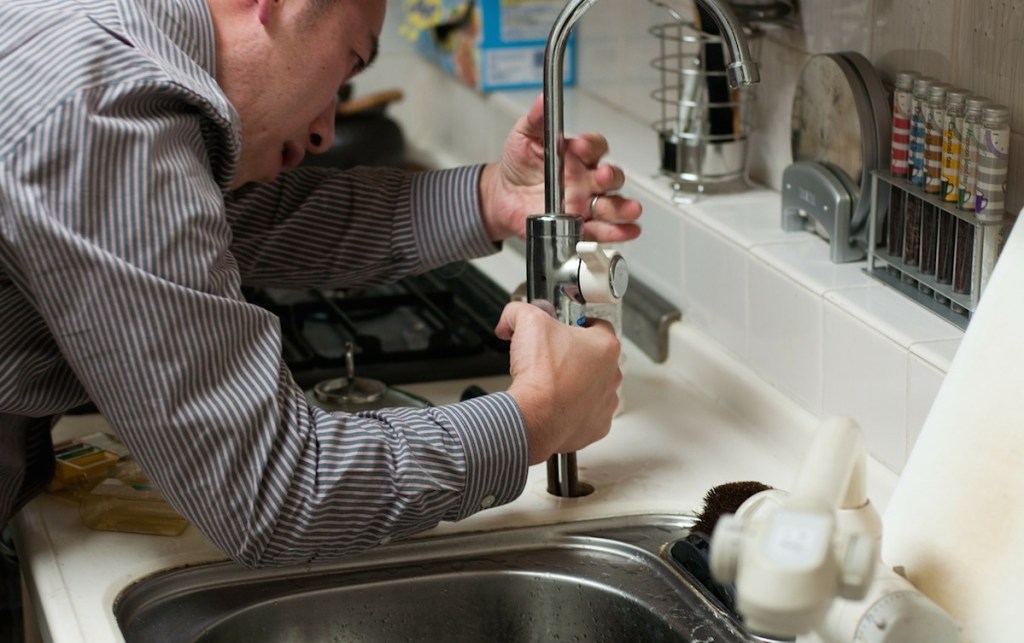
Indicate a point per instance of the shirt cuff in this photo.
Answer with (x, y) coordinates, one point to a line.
(446, 216)
(493, 434)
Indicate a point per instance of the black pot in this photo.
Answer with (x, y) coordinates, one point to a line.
(352, 395)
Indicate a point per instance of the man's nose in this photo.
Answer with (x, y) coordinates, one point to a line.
(321, 131)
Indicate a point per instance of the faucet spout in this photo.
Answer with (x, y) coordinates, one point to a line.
(743, 70)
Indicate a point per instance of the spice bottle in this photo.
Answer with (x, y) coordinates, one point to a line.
(900, 146)
(946, 229)
(993, 159)
(935, 124)
(902, 100)
(918, 125)
(956, 104)
(969, 143)
(916, 174)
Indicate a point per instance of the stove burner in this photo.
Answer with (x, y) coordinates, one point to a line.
(430, 327)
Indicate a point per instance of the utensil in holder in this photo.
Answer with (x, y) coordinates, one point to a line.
(704, 126)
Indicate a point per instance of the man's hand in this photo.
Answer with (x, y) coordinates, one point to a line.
(514, 188)
(564, 378)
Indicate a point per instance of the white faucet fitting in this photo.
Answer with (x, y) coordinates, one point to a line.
(790, 564)
(806, 566)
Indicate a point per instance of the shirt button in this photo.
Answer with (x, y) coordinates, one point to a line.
(385, 540)
(487, 501)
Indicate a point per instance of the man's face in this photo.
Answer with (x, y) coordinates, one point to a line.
(284, 77)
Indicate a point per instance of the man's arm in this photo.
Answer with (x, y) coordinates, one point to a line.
(316, 226)
(125, 248)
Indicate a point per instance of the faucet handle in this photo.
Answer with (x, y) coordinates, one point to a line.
(603, 275)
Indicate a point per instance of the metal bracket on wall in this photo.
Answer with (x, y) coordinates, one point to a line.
(646, 317)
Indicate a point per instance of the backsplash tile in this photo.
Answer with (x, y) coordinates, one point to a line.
(715, 282)
(865, 377)
(807, 261)
(748, 219)
(893, 315)
(924, 383)
(785, 340)
(660, 245)
(929, 47)
(834, 26)
(990, 52)
(771, 141)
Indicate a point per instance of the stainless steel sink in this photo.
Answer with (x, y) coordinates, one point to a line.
(600, 580)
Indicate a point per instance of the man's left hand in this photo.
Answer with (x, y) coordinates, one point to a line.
(513, 189)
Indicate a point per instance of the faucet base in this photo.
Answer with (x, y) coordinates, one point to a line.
(563, 478)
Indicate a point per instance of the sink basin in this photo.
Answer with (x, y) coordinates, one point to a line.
(597, 580)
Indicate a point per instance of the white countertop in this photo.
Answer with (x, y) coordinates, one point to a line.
(699, 420)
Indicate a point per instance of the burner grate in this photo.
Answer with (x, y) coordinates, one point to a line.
(429, 327)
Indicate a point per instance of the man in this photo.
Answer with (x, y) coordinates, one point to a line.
(142, 149)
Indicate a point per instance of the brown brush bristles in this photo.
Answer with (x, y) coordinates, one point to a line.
(724, 499)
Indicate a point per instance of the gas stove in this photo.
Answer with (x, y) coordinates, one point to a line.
(430, 327)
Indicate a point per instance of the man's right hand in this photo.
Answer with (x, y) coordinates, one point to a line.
(564, 378)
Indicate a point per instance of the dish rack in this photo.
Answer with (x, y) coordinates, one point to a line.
(704, 127)
(975, 247)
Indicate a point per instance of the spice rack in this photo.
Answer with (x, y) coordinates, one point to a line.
(955, 304)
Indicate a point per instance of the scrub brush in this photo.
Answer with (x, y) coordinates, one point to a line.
(692, 552)
(724, 499)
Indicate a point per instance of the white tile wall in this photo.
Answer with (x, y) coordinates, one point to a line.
(827, 336)
(924, 384)
(785, 334)
(715, 283)
(865, 377)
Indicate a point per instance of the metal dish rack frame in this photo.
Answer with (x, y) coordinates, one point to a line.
(691, 156)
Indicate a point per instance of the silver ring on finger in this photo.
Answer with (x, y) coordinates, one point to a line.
(593, 204)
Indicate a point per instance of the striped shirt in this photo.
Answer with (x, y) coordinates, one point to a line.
(122, 257)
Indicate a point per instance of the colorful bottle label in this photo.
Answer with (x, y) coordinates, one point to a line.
(990, 188)
(934, 125)
(918, 127)
(968, 165)
(902, 104)
(951, 148)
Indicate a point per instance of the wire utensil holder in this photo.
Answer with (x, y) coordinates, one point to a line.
(697, 148)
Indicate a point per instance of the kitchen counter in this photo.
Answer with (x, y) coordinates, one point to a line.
(696, 421)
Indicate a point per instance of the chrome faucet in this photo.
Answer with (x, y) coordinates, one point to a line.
(561, 271)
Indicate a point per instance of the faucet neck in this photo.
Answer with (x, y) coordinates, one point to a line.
(554, 138)
(742, 71)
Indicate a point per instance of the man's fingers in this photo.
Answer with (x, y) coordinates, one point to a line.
(589, 147)
(614, 208)
(512, 316)
(604, 232)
